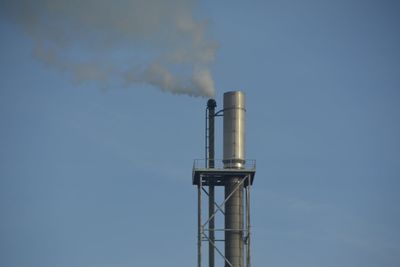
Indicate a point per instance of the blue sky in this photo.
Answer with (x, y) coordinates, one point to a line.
(102, 177)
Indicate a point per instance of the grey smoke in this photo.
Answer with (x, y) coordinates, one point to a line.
(114, 43)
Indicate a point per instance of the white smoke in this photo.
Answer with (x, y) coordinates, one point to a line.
(158, 42)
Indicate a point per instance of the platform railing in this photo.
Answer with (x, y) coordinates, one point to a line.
(219, 164)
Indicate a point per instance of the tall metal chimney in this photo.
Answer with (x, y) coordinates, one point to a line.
(234, 158)
(235, 174)
(234, 129)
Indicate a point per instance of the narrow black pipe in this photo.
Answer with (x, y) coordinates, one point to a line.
(211, 104)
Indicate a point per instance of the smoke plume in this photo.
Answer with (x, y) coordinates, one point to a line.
(118, 43)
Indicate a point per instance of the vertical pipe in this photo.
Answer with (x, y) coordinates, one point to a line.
(211, 104)
(234, 223)
(248, 236)
(206, 140)
(234, 158)
(199, 226)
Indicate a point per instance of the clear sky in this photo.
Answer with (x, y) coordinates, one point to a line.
(94, 176)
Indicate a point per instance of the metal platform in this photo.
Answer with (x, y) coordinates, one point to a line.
(204, 177)
(218, 175)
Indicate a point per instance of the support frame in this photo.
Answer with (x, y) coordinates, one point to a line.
(244, 184)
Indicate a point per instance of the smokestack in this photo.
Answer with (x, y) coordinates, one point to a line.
(236, 174)
(211, 105)
(234, 129)
(234, 158)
